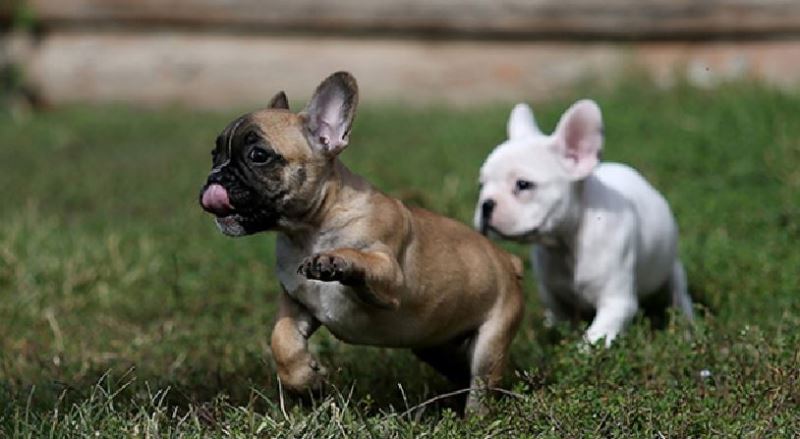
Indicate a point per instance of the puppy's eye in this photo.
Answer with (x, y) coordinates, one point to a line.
(251, 138)
(259, 155)
(524, 185)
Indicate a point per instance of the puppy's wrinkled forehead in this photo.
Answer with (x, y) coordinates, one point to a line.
(281, 129)
(506, 159)
(531, 159)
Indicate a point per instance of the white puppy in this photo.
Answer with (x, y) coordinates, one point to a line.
(604, 236)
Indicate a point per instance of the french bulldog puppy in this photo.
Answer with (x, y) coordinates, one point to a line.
(349, 257)
(604, 237)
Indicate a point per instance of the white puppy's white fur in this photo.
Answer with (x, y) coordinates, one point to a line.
(604, 236)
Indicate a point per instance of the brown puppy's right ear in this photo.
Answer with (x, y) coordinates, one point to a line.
(279, 101)
(330, 113)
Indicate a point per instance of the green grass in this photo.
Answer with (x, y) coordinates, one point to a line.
(124, 312)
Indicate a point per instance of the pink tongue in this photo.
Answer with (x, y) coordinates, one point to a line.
(215, 199)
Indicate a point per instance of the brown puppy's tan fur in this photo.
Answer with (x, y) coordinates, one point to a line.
(421, 281)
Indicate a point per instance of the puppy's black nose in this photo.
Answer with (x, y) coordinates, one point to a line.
(486, 209)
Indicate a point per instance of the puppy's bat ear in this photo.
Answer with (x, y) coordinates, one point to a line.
(330, 113)
(521, 122)
(279, 101)
(579, 138)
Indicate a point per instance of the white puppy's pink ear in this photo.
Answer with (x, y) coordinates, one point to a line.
(330, 112)
(521, 123)
(579, 138)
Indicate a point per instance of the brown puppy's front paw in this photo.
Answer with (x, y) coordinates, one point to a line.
(329, 268)
(303, 376)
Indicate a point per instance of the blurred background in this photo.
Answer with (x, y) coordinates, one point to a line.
(224, 53)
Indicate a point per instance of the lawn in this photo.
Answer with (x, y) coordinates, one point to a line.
(124, 312)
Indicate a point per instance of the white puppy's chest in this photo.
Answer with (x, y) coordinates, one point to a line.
(563, 278)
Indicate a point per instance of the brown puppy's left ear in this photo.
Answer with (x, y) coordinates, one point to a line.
(330, 113)
(279, 101)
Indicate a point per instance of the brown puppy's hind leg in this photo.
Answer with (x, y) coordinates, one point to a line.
(490, 350)
(450, 359)
(297, 368)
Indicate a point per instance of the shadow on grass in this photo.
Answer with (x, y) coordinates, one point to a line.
(390, 381)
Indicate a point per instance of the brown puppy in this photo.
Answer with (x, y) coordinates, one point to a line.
(353, 259)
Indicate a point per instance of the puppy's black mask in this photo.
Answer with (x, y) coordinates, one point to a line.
(250, 172)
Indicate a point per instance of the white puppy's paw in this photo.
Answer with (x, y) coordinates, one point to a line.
(593, 336)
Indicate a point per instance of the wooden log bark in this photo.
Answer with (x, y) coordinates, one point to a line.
(223, 71)
(6, 13)
(555, 19)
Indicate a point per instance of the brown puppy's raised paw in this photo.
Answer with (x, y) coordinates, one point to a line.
(330, 268)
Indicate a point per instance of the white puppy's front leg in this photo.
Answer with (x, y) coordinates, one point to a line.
(616, 302)
(613, 314)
